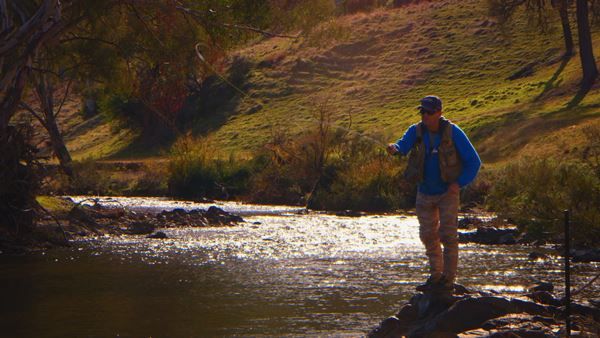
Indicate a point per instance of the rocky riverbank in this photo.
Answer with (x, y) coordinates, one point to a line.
(472, 313)
(78, 221)
(497, 232)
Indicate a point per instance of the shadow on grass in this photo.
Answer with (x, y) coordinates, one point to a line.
(581, 93)
(551, 84)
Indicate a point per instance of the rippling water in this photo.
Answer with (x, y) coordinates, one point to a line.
(278, 274)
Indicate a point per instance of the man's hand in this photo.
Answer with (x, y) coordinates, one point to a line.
(391, 149)
(454, 188)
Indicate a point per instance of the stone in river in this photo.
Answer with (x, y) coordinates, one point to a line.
(158, 235)
(542, 286)
(140, 228)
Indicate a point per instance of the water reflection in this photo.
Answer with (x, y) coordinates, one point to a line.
(274, 275)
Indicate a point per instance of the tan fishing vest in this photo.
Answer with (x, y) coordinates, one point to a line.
(450, 164)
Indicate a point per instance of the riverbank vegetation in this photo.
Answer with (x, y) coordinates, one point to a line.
(292, 102)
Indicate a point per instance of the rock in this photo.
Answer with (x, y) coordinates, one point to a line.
(500, 322)
(544, 320)
(469, 222)
(542, 286)
(140, 228)
(461, 290)
(390, 327)
(158, 235)
(522, 334)
(537, 255)
(445, 315)
(586, 255)
(350, 213)
(216, 215)
(507, 239)
(587, 311)
(79, 214)
(490, 235)
(432, 303)
(544, 297)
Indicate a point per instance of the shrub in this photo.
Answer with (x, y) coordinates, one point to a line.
(330, 166)
(195, 171)
(534, 193)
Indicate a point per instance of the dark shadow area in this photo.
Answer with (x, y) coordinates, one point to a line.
(217, 100)
(551, 84)
(581, 93)
(206, 110)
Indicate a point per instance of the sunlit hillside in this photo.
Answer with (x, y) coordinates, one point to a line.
(372, 68)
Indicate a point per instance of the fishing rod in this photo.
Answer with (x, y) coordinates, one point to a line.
(247, 96)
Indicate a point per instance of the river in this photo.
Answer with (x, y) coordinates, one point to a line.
(282, 273)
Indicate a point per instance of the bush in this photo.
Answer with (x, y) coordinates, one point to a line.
(196, 171)
(534, 193)
(331, 167)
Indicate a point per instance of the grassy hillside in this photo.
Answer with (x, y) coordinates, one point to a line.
(372, 68)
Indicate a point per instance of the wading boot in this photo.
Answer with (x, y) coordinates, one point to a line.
(445, 284)
(430, 284)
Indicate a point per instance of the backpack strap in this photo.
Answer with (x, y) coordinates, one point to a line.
(420, 128)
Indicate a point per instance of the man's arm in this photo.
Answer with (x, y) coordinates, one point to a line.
(406, 143)
(470, 159)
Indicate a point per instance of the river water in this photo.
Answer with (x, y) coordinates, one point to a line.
(282, 273)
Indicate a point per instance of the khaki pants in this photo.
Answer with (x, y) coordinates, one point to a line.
(438, 218)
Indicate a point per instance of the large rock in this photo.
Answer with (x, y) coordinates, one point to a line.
(216, 215)
(158, 235)
(140, 228)
(542, 286)
(586, 255)
(490, 235)
(437, 314)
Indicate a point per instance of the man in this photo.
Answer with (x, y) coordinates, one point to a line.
(442, 160)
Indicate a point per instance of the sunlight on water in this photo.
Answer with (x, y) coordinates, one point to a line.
(285, 237)
(158, 204)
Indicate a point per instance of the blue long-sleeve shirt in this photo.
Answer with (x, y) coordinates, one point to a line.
(432, 180)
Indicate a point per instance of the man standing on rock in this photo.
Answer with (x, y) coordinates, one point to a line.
(442, 160)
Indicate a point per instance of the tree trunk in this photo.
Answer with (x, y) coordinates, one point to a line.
(18, 188)
(586, 52)
(45, 92)
(58, 145)
(564, 20)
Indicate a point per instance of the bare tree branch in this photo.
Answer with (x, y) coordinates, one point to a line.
(62, 102)
(33, 112)
(196, 15)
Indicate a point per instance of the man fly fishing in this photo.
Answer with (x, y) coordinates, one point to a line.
(442, 160)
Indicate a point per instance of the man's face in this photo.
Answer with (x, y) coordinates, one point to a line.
(430, 120)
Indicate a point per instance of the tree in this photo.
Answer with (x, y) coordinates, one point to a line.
(47, 114)
(25, 27)
(147, 52)
(563, 11)
(586, 51)
(504, 9)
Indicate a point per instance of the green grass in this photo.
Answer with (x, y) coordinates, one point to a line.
(460, 55)
(54, 204)
(374, 67)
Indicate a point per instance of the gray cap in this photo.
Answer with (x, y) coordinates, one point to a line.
(431, 103)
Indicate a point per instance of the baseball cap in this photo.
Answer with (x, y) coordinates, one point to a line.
(431, 103)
